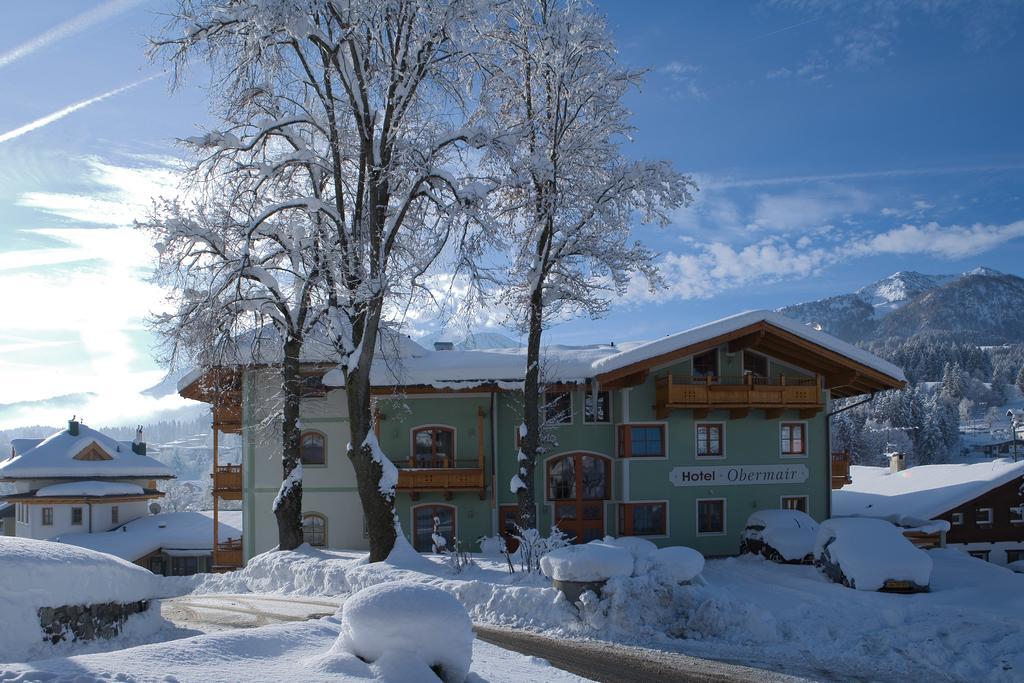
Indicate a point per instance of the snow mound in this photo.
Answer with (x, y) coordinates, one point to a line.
(676, 564)
(401, 625)
(790, 532)
(870, 552)
(591, 562)
(36, 574)
(638, 547)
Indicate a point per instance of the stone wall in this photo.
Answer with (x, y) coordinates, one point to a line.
(73, 623)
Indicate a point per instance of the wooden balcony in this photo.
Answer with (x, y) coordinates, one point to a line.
(456, 476)
(840, 470)
(738, 395)
(227, 556)
(227, 482)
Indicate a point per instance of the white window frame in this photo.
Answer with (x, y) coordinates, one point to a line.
(725, 517)
(42, 520)
(1017, 514)
(583, 408)
(807, 446)
(982, 524)
(807, 501)
(957, 519)
(696, 440)
(431, 425)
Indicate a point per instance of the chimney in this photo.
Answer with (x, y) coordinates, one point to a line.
(73, 426)
(897, 463)
(139, 445)
(443, 346)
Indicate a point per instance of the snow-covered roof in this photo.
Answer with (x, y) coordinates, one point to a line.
(174, 531)
(925, 491)
(404, 362)
(736, 322)
(19, 446)
(54, 457)
(90, 488)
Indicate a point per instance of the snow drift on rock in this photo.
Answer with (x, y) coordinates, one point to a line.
(409, 628)
(590, 562)
(36, 574)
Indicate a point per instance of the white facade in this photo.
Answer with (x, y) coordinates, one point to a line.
(328, 490)
(96, 517)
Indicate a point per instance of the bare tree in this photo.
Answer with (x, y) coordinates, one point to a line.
(368, 96)
(568, 195)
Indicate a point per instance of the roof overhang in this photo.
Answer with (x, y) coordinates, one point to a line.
(31, 498)
(844, 376)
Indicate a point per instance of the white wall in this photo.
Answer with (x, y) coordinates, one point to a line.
(329, 490)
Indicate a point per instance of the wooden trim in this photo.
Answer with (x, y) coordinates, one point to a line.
(625, 442)
(448, 462)
(53, 500)
(720, 426)
(803, 439)
(625, 518)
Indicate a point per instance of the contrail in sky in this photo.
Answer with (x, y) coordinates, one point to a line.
(108, 9)
(61, 113)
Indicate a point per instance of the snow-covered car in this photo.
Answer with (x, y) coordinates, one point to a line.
(871, 555)
(780, 535)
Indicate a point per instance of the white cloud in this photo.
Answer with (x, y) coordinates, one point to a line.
(76, 24)
(797, 211)
(61, 113)
(683, 79)
(953, 241)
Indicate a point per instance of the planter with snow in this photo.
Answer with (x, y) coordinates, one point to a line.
(407, 629)
(576, 569)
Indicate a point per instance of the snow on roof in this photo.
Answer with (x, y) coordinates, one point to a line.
(54, 456)
(174, 531)
(19, 446)
(90, 488)
(732, 323)
(925, 491)
(404, 362)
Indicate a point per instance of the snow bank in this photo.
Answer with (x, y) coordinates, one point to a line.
(36, 574)
(591, 562)
(638, 547)
(870, 552)
(91, 488)
(790, 532)
(393, 623)
(676, 564)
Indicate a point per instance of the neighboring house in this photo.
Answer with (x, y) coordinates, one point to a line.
(999, 448)
(79, 480)
(980, 500)
(170, 543)
(677, 440)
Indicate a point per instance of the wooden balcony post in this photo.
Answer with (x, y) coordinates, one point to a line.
(480, 437)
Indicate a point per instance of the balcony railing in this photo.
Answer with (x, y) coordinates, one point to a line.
(227, 482)
(840, 469)
(740, 393)
(444, 476)
(227, 555)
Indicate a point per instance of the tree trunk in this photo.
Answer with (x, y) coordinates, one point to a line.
(529, 444)
(289, 511)
(378, 509)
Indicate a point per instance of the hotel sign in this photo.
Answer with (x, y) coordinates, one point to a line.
(739, 475)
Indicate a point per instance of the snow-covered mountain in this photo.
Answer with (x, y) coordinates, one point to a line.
(473, 341)
(982, 306)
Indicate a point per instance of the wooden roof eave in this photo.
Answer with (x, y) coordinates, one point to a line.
(777, 343)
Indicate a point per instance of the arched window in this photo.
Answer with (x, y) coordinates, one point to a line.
(313, 448)
(433, 446)
(314, 529)
(423, 525)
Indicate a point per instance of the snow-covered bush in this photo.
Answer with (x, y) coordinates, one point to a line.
(638, 547)
(407, 625)
(591, 562)
(780, 535)
(867, 553)
(675, 565)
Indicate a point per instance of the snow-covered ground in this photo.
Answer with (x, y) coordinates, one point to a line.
(786, 618)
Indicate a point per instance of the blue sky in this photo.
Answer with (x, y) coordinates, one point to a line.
(834, 143)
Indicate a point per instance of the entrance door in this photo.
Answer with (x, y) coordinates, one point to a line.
(578, 485)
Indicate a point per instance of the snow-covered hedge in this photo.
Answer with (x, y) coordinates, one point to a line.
(790, 533)
(36, 574)
(870, 552)
(408, 626)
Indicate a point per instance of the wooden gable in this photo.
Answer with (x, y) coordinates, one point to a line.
(92, 452)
